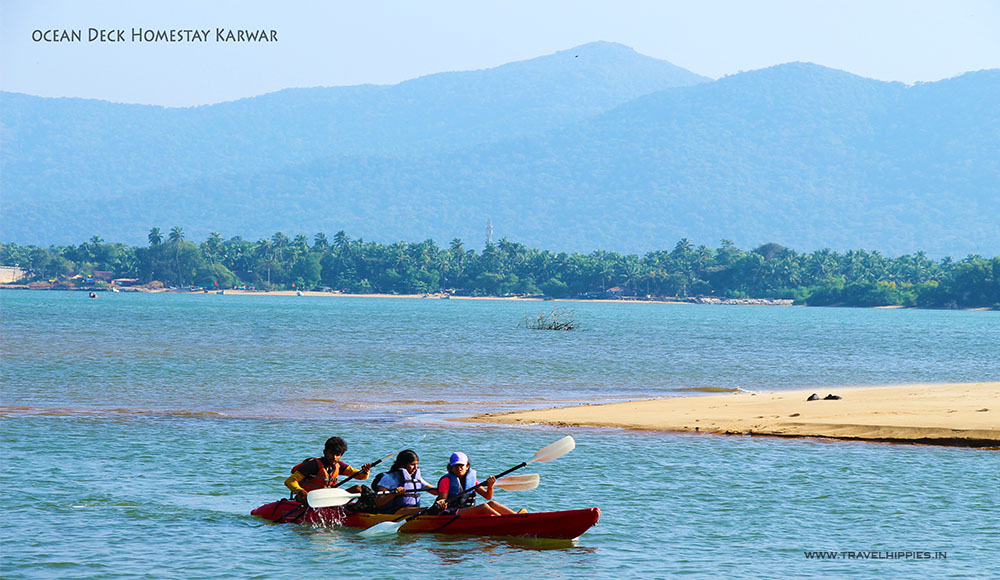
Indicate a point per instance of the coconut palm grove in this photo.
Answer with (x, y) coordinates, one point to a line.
(505, 268)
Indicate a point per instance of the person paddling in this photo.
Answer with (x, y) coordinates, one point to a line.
(323, 471)
(461, 477)
(401, 483)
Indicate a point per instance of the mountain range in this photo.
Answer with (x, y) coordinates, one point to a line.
(596, 147)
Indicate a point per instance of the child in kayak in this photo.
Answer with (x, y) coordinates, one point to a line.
(461, 477)
(403, 481)
(323, 471)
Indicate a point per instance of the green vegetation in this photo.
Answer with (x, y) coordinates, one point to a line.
(821, 278)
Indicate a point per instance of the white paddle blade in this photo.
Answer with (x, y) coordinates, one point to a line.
(555, 450)
(518, 482)
(329, 497)
(382, 529)
(523, 478)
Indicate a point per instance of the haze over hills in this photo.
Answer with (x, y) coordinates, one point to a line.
(99, 149)
(596, 147)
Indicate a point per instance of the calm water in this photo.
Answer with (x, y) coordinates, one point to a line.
(139, 430)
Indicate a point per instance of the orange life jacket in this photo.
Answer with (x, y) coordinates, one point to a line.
(322, 478)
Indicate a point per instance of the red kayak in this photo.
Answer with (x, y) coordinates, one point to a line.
(560, 525)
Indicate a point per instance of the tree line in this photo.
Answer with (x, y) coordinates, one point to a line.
(823, 277)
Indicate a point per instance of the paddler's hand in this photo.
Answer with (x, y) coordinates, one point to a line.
(366, 469)
(301, 497)
(490, 481)
(400, 490)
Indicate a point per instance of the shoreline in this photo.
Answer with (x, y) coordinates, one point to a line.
(955, 414)
(690, 300)
(314, 294)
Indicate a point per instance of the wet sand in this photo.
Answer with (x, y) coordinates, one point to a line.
(964, 414)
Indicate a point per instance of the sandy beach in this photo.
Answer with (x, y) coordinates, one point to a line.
(434, 296)
(964, 414)
(309, 293)
(441, 295)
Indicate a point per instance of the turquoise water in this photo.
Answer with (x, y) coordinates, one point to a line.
(139, 431)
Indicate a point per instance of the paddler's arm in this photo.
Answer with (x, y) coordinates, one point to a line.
(442, 490)
(390, 494)
(488, 494)
(348, 471)
(292, 483)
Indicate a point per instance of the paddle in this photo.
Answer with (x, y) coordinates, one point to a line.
(547, 453)
(396, 452)
(332, 497)
(518, 482)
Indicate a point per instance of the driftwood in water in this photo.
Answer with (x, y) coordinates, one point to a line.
(557, 319)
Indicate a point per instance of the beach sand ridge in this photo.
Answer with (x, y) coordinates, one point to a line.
(966, 414)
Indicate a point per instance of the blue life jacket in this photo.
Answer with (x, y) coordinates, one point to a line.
(457, 486)
(408, 498)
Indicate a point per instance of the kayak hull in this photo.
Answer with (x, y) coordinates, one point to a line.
(566, 525)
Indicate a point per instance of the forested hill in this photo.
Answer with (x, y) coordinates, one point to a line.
(60, 149)
(625, 154)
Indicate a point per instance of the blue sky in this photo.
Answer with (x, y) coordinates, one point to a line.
(383, 42)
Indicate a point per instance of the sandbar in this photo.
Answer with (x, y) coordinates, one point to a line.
(961, 414)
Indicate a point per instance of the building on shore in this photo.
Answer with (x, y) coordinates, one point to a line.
(11, 274)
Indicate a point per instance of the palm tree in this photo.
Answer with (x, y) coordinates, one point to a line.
(155, 237)
(821, 264)
(630, 270)
(263, 251)
(341, 241)
(300, 245)
(212, 248)
(457, 254)
(176, 237)
(280, 241)
(343, 244)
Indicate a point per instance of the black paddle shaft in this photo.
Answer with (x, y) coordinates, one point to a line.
(473, 488)
(346, 479)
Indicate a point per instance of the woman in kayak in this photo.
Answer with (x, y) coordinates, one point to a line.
(320, 472)
(461, 477)
(403, 483)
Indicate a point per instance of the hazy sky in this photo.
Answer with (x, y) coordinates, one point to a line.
(345, 43)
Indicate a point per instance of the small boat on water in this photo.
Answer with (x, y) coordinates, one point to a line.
(565, 525)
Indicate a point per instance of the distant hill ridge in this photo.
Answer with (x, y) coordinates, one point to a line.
(593, 147)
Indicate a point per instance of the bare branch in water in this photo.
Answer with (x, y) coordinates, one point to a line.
(558, 319)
